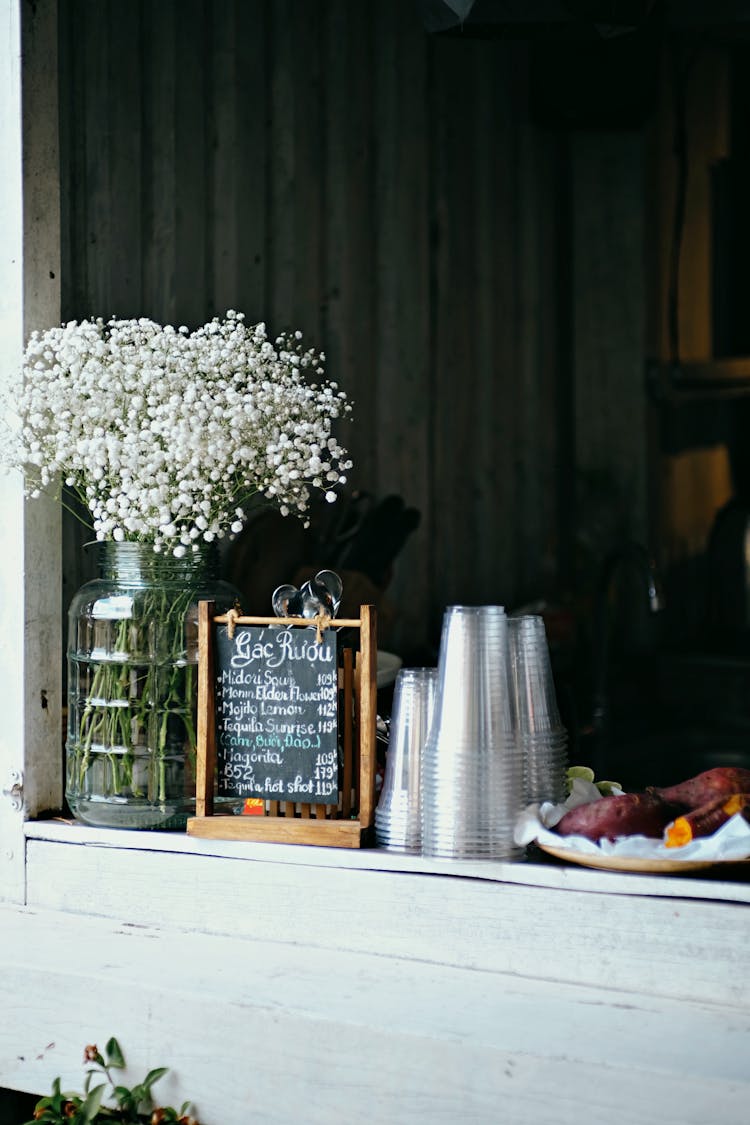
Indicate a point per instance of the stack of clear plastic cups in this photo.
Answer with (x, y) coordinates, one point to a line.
(542, 737)
(398, 824)
(472, 783)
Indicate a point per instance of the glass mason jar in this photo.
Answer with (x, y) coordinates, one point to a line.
(133, 685)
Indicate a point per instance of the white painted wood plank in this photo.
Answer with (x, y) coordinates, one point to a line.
(734, 888)
(11, 491)
(276, 1033)
(690, 949)
(40, 577)
(30, 657)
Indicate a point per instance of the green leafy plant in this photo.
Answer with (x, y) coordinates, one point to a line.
(133, 1105)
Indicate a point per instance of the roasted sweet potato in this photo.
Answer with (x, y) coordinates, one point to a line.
(626, 814)
(708, 786)
(706, 820)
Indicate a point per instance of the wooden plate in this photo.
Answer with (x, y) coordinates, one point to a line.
(638, 863)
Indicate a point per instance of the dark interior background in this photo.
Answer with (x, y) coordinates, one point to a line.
(507, 237)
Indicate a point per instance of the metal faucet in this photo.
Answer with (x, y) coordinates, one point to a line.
(638, 557)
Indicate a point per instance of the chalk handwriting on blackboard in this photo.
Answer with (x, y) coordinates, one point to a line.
(277, 714)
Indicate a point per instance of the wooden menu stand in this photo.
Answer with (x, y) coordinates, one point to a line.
(347, 824)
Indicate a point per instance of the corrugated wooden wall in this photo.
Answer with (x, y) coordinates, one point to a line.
(327, 165)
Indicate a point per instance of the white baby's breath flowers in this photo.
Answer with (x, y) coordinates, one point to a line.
(165, 434)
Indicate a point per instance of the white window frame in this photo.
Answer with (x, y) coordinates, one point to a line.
(30, 561)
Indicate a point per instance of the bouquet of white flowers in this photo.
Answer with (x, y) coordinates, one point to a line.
(165, 434)
(166, 437)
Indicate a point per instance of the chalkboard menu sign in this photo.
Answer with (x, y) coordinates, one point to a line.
(277, 713)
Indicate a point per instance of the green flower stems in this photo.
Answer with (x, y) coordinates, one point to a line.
(125, 699)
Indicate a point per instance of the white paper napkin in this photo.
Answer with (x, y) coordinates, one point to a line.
(730, 842)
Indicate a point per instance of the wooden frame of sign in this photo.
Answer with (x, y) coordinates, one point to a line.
(345, 824)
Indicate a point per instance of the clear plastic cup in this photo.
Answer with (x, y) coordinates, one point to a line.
(531, 669)
(541, 735)
(472, 776)
(397, 816)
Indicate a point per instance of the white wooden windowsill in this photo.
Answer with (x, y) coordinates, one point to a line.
(539, 874)
(284, 983)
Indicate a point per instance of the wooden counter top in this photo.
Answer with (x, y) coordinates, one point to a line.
(285, 983)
